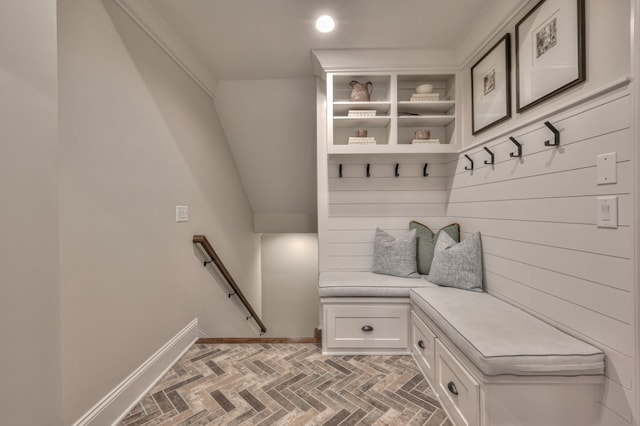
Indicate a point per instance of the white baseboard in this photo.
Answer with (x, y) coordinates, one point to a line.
(117, 403)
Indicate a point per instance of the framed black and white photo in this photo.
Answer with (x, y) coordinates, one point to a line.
(491, 87)
(550, 51)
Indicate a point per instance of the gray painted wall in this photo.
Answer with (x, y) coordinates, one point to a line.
(290, 284)
(137, 137)
(29, 285)
(270, 125)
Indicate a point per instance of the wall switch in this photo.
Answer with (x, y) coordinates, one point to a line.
(182, 213)
(607, 166)
(607, 212)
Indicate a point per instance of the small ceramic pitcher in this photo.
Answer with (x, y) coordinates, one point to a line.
(361, 92)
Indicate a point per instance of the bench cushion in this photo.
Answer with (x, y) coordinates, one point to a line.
(499, 338)
(366, 284)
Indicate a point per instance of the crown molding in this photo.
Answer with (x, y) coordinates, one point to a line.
(382, 60)
(150, 20)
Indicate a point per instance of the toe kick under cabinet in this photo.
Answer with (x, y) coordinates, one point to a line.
(365, 326)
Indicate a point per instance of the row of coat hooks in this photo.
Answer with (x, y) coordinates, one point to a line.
(518, 152)
(397, 170)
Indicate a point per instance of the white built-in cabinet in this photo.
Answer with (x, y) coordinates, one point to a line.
(397, 118)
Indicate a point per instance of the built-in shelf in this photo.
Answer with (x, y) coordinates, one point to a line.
(425, 120)
(377, 121)
(394, 149)
(341, 108)
(390, 99)
(432, 107)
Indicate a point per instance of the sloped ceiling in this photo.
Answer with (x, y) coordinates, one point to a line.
(254, 58)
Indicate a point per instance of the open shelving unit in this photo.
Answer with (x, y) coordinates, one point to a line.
(397, 118)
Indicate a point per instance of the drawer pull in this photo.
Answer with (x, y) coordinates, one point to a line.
(367, 328)
(452, 388)
(421, 344)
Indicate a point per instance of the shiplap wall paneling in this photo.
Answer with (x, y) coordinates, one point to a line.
(542, 249)
(359, 204)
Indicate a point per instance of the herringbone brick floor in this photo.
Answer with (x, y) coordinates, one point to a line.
(288, 384)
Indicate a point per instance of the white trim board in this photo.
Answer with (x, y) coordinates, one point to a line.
(117, 403)
(149, 19)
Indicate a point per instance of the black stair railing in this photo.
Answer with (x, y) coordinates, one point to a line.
(202, 241)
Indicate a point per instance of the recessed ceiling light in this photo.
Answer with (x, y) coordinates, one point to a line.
(325, 24)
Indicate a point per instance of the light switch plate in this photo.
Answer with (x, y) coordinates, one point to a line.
(607, 213)
(182, 213)
(606, 167)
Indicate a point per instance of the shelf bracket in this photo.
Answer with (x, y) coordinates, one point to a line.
(517, 154)
(556, 135)
(492, 161)
(424, 170)
(368, 167)
(471, 161)
(340, 170)
(397, 169)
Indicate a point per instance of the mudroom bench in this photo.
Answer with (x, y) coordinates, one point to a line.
(489, 362)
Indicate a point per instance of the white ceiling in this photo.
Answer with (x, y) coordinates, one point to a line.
(265, 39)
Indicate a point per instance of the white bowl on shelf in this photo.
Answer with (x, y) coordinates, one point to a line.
(424, 88)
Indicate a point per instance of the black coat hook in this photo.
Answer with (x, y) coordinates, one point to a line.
(470, 160)
(368, 174)
(397, 170)
(424, 170)
(340, 170)
(556, 135)
(517, 154)
(492, 161)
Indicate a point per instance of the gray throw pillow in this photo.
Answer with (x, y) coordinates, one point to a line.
(458, 264)
(426, 243)
(395, 256)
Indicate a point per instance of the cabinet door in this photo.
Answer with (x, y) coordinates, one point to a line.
(423, 347)
(458, 391)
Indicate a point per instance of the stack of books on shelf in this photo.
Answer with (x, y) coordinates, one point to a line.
(361, 113)
(425, 97)
(424, 141)
(369, 140)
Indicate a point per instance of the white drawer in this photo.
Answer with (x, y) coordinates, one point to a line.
(367, 326)
(423, 346)
(457, 389)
